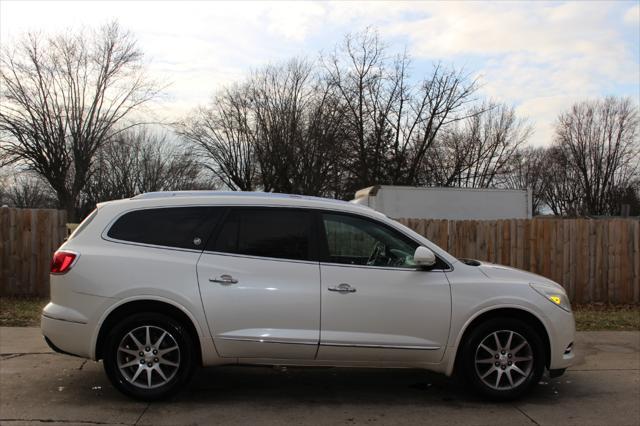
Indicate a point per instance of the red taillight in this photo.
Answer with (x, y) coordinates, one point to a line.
(62, 261)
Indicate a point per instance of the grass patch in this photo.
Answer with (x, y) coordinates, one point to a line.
(607, 317)
(25, 312)
(21, 311)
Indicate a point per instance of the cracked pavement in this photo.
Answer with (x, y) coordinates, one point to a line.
(38, 386)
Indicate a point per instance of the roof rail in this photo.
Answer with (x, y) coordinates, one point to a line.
(170, 194)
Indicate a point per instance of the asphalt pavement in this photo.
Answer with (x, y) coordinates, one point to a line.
(38, 387)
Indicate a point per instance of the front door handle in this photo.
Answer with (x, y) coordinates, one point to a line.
(343, 288)
(224, 279)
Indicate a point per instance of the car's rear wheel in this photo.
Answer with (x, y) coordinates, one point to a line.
(503, 358)
(149, 356)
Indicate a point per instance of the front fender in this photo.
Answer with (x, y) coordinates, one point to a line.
(461, 325)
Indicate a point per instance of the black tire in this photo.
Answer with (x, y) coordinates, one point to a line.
(175, 377)
(497, 384)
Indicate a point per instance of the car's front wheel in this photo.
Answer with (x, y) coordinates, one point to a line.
(149, 356)
(503, 358)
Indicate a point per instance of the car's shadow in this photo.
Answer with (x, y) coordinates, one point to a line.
(324, 385)
(318, 385)
(333, 386)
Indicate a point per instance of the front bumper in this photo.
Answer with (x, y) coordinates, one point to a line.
(562, 339)
(556, 373)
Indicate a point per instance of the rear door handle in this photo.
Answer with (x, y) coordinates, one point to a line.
(224, 279)
(343, 288)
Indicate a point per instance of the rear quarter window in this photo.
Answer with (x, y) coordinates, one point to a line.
(83, 224)
(179, 227)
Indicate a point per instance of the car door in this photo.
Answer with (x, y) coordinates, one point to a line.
(259, 279)
(376, 304)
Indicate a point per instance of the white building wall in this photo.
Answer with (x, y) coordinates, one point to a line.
(447, 203)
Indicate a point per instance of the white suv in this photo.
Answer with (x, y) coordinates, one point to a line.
(161, 283)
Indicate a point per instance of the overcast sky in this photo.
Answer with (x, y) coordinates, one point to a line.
(538, 56)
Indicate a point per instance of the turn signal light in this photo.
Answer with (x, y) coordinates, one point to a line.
(555, 299)
(62, 262)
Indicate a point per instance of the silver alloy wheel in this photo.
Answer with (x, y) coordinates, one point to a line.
(150, 364)
(503, 360)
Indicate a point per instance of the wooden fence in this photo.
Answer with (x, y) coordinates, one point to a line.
(28, 238)
(595, 260)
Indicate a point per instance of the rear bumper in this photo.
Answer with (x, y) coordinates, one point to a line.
(55, 348)
(66, 336)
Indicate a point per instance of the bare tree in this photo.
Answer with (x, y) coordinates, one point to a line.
(26, 191)
(298, 125)
(358, 119)
(278, 131)
(62, 97)
(279, 97)
(325, 152)
(391, 123)
(600, 152)
(138, 161)
(527, 170)
(357, 70)
(560, 193)
(478, 152)
(224, 132)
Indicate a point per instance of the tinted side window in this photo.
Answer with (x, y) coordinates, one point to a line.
(357, 241)
(182, 227)
(277, 232)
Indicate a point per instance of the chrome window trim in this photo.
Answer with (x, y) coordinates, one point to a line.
(248, 256)
(392, 268)
(131, 243)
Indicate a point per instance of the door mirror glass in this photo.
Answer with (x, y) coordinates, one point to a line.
(424, 257)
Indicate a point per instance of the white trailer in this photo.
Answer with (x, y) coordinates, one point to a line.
(446, 203)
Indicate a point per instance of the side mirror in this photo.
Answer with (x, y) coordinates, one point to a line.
(424, 257)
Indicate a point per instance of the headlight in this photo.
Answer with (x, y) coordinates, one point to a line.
(553, 295)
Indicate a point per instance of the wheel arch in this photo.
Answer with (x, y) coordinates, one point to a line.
(505, 312)
(147, 305)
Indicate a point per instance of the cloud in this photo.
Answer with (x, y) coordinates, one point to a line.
(538, 56)
(543, 113)
(194, 46)
(632, 15)
(295, 21)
